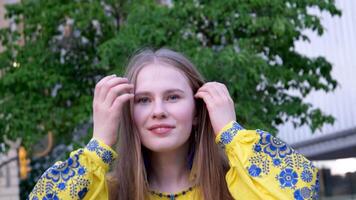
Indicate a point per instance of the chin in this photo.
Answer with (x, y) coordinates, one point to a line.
(162, 146)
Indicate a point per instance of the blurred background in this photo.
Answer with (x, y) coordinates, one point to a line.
(288, 65)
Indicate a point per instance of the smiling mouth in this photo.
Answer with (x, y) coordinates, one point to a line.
(161, 131)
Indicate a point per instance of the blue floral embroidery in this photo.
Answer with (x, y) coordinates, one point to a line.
(303, 193)
(228, 135)
(288, 178)
(257, 148)
(81, 170)
(276, 162)
(82, 193)
(61, 186)
(226, 138)
(57, 177)
(50, 197)
(307, 176)
(63, 171)
(92, 145)
(273, 146)
(254, 170)
(236, 127)
(272, 153)
(105, 155)
(316, 187)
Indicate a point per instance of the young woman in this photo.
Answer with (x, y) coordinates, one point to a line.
(177, 139)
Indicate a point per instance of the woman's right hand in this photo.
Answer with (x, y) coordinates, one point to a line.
(110, 94)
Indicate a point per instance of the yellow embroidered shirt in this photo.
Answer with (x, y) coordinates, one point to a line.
(261, 167)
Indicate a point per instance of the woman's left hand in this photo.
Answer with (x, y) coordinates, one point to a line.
(219, 104)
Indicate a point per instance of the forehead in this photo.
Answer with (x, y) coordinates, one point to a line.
(159, 76)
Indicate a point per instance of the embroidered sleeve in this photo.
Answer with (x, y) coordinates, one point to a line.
(81, 175)
(264, 167)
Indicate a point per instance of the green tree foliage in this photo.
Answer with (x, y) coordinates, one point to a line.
(55, 51)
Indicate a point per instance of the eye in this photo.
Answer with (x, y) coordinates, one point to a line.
(173, 97)
(142, 100)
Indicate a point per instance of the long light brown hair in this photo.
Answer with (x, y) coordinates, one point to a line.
(208, 163)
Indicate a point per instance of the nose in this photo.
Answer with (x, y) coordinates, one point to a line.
(159, 110)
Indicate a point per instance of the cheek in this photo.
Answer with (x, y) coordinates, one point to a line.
(140, 114)
(183, 111)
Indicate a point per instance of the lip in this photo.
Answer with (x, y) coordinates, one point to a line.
(161, 129)
(160, 126)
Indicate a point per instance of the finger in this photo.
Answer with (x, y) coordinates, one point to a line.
(100, 84)
(209, 88)
(206, 97)
(218, 89)
(120, 100)
(226, 91)
(116, 91)
(108, 85)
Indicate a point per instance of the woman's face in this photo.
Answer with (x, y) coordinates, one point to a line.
(163, 99)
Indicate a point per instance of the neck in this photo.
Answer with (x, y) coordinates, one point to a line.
(169, 171)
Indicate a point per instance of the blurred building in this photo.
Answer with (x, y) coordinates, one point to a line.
(9, 172)
(9, 175)
(337, 141)
(3, 22)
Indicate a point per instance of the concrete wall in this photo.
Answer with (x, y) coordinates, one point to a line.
(3, 22)
(9, 177)
(9, 173)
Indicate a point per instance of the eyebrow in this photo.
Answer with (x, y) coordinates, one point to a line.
(167, 91)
